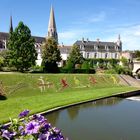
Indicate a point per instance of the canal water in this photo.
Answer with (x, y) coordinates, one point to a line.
(107, 119)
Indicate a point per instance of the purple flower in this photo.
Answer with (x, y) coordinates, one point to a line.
(43, 137)
(24, 113)
(32, 128)
(56, 134)
(39, 118)
(6, 134)
(45, 128)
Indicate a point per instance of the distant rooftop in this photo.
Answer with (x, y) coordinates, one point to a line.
(4, 36)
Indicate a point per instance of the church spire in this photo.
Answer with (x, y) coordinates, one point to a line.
(52, 31)
(11, 25)
(119, 42)
(119, 37)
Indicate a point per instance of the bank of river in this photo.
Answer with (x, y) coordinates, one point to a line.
(107, 119)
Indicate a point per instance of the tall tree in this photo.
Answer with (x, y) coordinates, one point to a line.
(75, 56)
(21, 46)
(137, 53)
(50, 56)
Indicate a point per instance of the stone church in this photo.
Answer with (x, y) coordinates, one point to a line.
(89, 49)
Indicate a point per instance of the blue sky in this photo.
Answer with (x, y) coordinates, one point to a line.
(103, 19)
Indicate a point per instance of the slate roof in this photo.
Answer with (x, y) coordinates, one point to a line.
(95, 43)
(65, 49)
(4, 36)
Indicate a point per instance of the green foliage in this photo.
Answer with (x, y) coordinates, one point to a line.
(75, 57)
(85, 65)
(123, 70)
(50, 56)
(21, 47)
(69, 68)
(1, 62)
(4, 54)
(110, 71)
(137, 54)
(103, 63)
(36, 69)
(124, 61)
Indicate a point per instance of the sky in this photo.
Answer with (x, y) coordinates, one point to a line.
(77, 19)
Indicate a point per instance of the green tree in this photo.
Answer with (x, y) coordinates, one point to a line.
(75, 56)
(21, 46)
(4, 54)
(137, 54)
(85, 65)
(50, 56)
(124, 62)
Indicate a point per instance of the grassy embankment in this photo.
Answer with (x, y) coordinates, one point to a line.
(23, 91)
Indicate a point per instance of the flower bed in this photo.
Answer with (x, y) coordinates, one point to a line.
(24, 127)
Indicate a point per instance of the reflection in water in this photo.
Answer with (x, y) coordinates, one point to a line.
(73, 112)
(54, 116)
(107, 102)
(107, 119)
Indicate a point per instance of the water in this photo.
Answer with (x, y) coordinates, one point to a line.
(108, 119)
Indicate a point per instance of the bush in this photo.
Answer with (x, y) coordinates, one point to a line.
(110, 71)
(36, 69)
(65, 70)
(85, 65)
(87, 71)
(123, 70)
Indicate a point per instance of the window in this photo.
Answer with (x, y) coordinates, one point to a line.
(87, 55)
(95, 55)
(106, 55)
(116, 55)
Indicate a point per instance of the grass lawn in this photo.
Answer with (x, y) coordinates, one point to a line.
(23, 91)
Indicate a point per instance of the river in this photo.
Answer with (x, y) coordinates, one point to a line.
(107, 119)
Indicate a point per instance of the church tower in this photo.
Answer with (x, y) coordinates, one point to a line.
(52, 31)
(119, 43)
(11, 25)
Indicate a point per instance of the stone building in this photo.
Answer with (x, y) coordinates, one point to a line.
(89, 49)
(100, 49)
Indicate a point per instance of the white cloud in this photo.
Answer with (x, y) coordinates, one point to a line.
(130, 36)
(71, 35)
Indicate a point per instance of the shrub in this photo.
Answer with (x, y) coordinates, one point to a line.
(36, 69)
(110, 71)
(85, 65)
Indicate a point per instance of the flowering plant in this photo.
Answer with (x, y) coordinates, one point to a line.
(35, 127)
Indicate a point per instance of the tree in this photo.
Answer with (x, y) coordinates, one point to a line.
(21, 47)
(50, 56)
(75, 56)
(124, 62)
(137, 54)
(4, 54)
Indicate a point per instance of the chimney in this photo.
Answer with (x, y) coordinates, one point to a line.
(87, 40)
